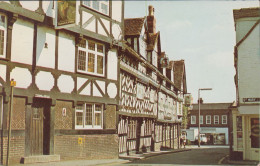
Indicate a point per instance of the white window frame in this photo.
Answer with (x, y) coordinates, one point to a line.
(216, 119)
(1, 111)
(89, 4)
(4, 28)
(201, 119)
(193, 119)
(96, 53)
(223, 119)
(208, 118)
(94, 112)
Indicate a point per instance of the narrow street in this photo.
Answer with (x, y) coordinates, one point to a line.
(204, 156)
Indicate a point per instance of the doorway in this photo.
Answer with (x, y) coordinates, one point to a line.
(40, 127)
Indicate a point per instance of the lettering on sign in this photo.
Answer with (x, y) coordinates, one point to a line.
(251, 99)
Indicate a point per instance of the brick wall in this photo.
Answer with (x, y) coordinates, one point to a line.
(63, 122)
(110, 117)
(91, 147)
(17, 146)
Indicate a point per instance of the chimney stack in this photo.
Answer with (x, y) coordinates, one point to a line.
(151, 21)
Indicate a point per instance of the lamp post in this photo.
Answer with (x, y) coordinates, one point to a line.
(199, 112)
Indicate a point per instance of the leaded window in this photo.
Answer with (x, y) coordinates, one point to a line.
(98, 5)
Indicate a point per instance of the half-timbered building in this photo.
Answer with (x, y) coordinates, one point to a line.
(149, 99)
(63, 56)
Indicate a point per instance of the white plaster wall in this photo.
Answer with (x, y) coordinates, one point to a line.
(96, 92)
(44, 80)
(80, 82)
(117, 10)
(101, 30)
(86, 90)
(243, 25)
(30, 5)
(3, 72)
(49, 8)
(66, 52)
(22, 77)
(22, 41)
(101, 84)
(142, 46)
(92, 25)
(116, 31)
(65, 83)
(45, 57)
(112, 64)
(249, 66)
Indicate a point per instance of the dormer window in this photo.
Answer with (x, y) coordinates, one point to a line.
(100, 6)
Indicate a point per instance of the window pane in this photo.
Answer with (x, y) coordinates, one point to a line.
(2, 42)
(95, 5)
(104, 8)
(79, 118)
(82, 60)
(91, 62)
(91, 46)
(100, 48)
(98, 107)
(82, 43)
(2, 20)
(88, 114)
(98, 119)
(86, 2)
(100, 64)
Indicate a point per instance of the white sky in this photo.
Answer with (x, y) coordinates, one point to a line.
(203, 34)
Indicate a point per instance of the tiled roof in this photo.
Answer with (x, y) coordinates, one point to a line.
(152, 38)
(133, 26)
(179, 70)
(246, 12)
(212, 106)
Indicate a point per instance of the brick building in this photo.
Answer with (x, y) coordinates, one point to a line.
(63, 56)
(214, 121)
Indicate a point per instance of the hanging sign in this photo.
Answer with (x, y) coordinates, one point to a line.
(65, 13)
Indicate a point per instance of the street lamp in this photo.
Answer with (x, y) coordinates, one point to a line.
(199, 111)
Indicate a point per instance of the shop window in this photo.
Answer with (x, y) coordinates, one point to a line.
(193, 119)
(100, 6)
(224, 119)
(89, 116)
(255, 139)
(216, 119)
(239, 132)
(91, 58)
(3, 25)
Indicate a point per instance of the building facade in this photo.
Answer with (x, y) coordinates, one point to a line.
(247, 64)
(150, 102)
(214, 121)
(63, 56)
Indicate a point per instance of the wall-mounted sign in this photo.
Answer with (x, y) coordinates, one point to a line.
(251, 99)
(64, 111)
(80, 141)
(66, 13)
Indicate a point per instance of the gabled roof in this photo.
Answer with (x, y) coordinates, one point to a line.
(133, 26)
(180, 75)
(212, 106)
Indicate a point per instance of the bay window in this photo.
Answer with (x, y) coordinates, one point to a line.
(91, 58)
(100, 6)
(89, 116)
(3, 26)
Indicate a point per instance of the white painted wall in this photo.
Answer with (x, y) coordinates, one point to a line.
(249, 66)
(49, 8)
(22, 41)
(44, 81)
(112, 64)
(30, 5)
(45, 57)
(22, 77)
(65, 83)
(66, 52)
(243, 25)
(117, 10)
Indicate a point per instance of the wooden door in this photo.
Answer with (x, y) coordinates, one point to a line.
(40, 127)
(37, 131)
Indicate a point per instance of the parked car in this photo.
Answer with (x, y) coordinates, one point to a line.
(203, 139)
